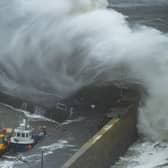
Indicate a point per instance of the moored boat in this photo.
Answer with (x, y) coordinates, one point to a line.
(3, 144)
(23, 138)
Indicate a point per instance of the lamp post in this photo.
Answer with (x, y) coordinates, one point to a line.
(42, 159)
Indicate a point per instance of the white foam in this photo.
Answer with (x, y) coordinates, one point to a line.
(28, 114)
(145, 155)
(60, 144)
(67, 122)
(6, 164)
(14, 161)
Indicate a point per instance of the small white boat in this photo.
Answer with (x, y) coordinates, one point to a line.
(23, 138)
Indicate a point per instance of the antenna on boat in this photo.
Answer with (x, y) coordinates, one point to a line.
(20, 118)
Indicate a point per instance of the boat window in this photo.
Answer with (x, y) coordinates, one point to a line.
(27, 134)
(23, 135)
(18, 134)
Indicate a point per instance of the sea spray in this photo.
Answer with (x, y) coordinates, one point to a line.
(57, 47)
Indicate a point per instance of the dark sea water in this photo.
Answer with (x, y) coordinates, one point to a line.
(153, 16)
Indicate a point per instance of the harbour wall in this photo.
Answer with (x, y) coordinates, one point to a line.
(112, 141)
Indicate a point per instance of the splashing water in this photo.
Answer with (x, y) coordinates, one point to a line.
(145, 155)
(57, 47)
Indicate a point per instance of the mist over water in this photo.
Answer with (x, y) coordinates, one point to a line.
(55, 48)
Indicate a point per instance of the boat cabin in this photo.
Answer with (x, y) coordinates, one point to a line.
(23, 134)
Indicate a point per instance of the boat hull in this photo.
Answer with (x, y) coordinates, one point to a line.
(3, 148)
(17, 148)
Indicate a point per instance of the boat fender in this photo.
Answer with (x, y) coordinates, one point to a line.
(29, 147)
(4, 130)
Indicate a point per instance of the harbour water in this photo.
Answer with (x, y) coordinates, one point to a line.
(60, 142)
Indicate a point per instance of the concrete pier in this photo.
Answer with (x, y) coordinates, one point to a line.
(104, 148)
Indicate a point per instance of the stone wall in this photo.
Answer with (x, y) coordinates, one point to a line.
(108, 144)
